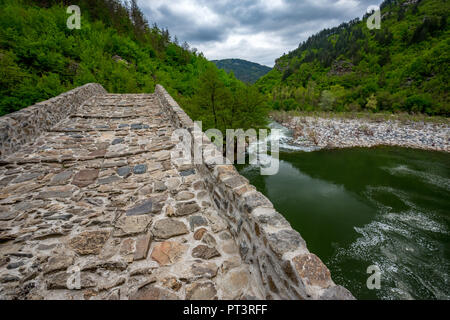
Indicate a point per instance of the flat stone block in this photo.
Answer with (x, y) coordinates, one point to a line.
(168, 228)
(141, 209)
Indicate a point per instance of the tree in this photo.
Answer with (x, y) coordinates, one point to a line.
(327, 100)
(140, 23)
(249, 110)
(211, 93)
(372, 103)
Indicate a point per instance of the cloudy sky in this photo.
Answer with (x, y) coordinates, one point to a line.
(254, 30)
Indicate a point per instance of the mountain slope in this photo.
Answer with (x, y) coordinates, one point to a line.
(244, 70)
(403, 67)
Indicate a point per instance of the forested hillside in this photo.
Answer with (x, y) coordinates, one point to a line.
(40, 57)
(402, 67)
(246, 71)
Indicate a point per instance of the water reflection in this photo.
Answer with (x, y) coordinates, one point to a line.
(359, 207)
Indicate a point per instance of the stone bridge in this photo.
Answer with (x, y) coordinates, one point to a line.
(95, 205)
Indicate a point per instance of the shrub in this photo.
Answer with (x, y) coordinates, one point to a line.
(327, 100)
(418, 103)
(372, 103)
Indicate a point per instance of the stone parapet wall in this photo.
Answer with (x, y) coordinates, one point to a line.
(24, 126)
(278, 255)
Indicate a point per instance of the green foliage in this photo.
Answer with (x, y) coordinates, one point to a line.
(227, 104)
(429, 27)
(418, 103)
(212, 97)
(403, 67)
(372, 103)
(327, 100)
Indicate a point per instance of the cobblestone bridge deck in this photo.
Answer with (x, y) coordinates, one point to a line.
(97, 196)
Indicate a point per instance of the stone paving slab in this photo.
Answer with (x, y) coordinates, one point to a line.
(99, 193)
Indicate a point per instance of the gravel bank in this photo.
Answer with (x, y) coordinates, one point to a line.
(345, 133)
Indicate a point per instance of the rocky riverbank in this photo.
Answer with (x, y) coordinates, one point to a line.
(318, 132)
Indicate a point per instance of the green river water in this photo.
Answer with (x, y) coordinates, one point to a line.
(383, 206)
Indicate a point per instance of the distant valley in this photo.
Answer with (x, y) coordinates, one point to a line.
(244, 70)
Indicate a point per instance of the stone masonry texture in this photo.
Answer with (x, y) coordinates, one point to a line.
(92, 189)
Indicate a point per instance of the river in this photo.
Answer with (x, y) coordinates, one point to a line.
(384, 206)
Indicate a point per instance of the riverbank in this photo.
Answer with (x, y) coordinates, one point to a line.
(337, 131)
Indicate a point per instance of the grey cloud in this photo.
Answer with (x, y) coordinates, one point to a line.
(284, 26)
(185, 27)
(204, 35)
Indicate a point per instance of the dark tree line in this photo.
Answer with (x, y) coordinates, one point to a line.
(124, 16)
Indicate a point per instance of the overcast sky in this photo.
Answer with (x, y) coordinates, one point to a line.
(254, 30)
